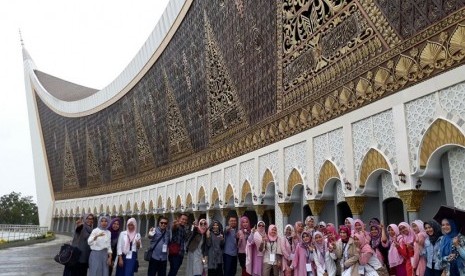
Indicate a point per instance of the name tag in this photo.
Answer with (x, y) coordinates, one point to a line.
(308, 267)
(291, 257)
(272, 258)
(164, 248)
(129, 255)
(361, 269)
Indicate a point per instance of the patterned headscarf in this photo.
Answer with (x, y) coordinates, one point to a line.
(375, 239)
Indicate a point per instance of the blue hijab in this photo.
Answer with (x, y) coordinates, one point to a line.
(100, 222)
(446, 244)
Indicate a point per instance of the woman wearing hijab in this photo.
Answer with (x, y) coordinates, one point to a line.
(288, 246)
(100, 244)
(272, 257)
(405, 248)
(419, 260)
(368, 262)
(197, 249)
(299, 229)
(215, 244)
(347, 253)
(376, 232)
(302, 263)
(324, 256)
(115, 228)
(129, 242)
(393, 242)
(359, 227)
(310, 224)
(254, 262)
(243, 235)
(433, 263)
(349, 222)
(82, 232)
(452, 249)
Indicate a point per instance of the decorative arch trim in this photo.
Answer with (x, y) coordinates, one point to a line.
(228, 194)
(151, 205)
(372, 161)
(246, 188)
(201, 193)
(160, 202)
(267, 179)
(294, 179)
(168, 204)
(440, 133)
(327, 171)
(178, 202)
(188, 200)
(215, 196)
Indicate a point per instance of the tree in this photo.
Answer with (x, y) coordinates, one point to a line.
(17, 209)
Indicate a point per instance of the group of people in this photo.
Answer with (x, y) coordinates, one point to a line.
(105, 247)
(307, 248)
(310, 248)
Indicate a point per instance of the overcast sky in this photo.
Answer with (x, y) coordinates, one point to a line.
(85, 42)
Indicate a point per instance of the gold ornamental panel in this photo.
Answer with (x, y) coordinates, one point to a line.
(373, 161)
(215, 196)
(412, 199)
(316, 206)
(294, 179)
(245, 190)
(327, 171)
(267, 179)
(286, 208)
(356, 204)
(440, 133)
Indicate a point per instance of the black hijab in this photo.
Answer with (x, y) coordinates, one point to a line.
(436, 231)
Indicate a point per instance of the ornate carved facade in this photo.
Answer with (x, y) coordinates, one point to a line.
(273, 79)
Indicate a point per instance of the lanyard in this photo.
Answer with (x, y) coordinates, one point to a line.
(271, 246)
(308, 255)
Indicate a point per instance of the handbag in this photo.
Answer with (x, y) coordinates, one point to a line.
(174, 249)
(148, 252)
(68, 255)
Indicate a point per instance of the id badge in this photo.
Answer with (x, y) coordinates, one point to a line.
(291, 257)
(164, 248)
(361, 270)
(272, 258)
(129, 255)
(308, 267)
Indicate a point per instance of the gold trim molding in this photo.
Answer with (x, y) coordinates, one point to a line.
(373, 161)
(294, 179)
(316, 206)
(267, 179)
(286, 208)
(412, 199)
(356, 204)
(440, 133)
(327, 171)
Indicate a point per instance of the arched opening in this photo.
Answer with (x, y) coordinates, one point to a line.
(297, 198)
(269, 202)
(393, 211)
(306, 212)
(343, 212)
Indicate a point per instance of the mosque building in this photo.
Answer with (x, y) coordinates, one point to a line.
(274, 109)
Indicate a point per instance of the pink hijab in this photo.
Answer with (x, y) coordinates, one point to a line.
(202, 228)
(243, 220)
(410, 238)
(364, 246)
(422, 233)
(270, 237)
(394, 257)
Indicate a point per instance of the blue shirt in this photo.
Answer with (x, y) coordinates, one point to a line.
(432, 254)
(230, 245)
(158, 253)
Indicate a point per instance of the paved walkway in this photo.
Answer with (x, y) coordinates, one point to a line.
(37, 259)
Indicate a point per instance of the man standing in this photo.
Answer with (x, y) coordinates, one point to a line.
(179, 236)
(160, 238)
(230, 248)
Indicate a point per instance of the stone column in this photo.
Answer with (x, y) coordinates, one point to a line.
(316, 206)
(240, 211)
(260, 210)
(196, 215)
(356, 205)
(286, 208)
(412, 200)
(210, 214)
(224, 214)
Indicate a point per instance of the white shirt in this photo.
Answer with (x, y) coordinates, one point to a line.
(103, 242)
(123, 237)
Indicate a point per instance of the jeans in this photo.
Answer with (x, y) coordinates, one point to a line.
(230, 265)
(175, 264)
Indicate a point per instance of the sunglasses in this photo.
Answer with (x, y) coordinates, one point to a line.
(203, 223)
(163, 222)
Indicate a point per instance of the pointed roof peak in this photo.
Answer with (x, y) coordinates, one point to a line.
(26, 55)
(21, 38)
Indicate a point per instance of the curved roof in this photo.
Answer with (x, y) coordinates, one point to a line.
(62, 89)
(76, 100)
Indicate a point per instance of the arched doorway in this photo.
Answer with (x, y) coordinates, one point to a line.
(343, 212)
(269, 201)
(393, 211)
